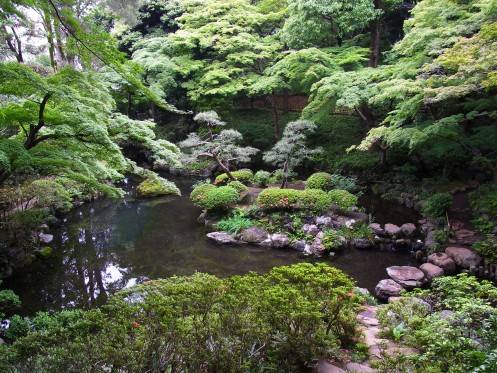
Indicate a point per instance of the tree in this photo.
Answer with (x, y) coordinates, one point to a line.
(219, 146)
(291, 151)
(325, 22)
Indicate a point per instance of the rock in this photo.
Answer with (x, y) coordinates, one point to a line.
(443, 261)
(363, 291)
(155, 187)
(324, 221)
(408, 277)
(408, 229)
(377, 229)
(446, 314)
(223, 238)
(299, 245)
(276, 241)
(403, 243)
(466, 236)
(45, 238)
(2, 342)
(310, 229)
(253, 235)
(464, 258)
(358, 368)
(430, 239)
(431, 270)
(326, 367)
(392, 229)
(350, 223)
(317, 248)
(361, 243)
(387, 288)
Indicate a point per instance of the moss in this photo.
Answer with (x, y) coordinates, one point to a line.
(238, 186)
(200, 191)
(245, 176)
(221, 198)
(343, 199)
(293, 199)
(156, 186)
(319, 180)
(45, 251)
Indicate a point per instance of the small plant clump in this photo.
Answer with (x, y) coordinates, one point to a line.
(240, 188)
(342, 199)
(235, 223)
(156, 186)
(244, 176)
(319, 180)
(262, 178)
(437, 205)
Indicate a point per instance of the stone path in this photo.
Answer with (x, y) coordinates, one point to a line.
(377, 346)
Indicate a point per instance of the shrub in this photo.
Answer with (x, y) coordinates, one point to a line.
(50, 194)
(343, 183)
(156, 186)
(238, 186)
(292, 199)
(436, 205)
(279, 321)
(245, 176)
(235, 223)
(262, 178)
(221, 198)
(487, 248)
(277, 177)
(343, 199)
(332, 240)
(319, 180)
(484, 204)
(200, 191)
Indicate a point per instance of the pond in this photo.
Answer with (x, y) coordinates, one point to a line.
(108, 245)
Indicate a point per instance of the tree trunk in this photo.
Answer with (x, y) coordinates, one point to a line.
(17, 48)
(285, 175)
(224, 168)
(376, 30)
(286, 104)
(276, 118)
(31, 138)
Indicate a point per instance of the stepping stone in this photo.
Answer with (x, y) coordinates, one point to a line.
(408, 277)
(431, 270)
(387, 288)
(464, 258)
(443, 261)
(358, 368)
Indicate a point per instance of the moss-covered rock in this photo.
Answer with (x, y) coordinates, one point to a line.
(319, 180)
(155, 187)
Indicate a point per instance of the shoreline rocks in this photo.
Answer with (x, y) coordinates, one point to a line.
(223, 238)
(408, 277)
(463, 257)
(388, 288)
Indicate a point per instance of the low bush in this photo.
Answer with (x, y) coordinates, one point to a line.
(200, 191)
(436, 205)
(342, 199)
(484, 205)
(220, 198)
(245, 176)
(453, 331)
(262, 178)
(487, 248)
(293, 199)
(343, 183)
(235, 223)
(238, 186)
(276, 177)
(319, 180)
(155, 187)
(279, 321)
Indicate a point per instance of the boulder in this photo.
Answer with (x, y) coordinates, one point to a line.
(361, 243)
(317, 248)
(45, 238)
(310, 229)
(253, 235)
(324, 221)
(464, 258)
(392, 229)
(387, 288)
(377, 229)
(223, 238)
(431, 270)
(276, 241)
(443, 261)
(298, 245)
(408, 277)
(408, 229)
(326, 367)
(358, 368)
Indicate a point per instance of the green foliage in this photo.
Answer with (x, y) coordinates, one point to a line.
(293, 199)
(235, 223)
(155, 187)
(238, 186)
(487, 248)
(244, 176)
(200, 191)
(343, 183)
(436, 205)
(484, 204)
(342, 199)
(332, 240)
(282, 320)
(9, 301)
(262, 178)
(319, 180)
(220, 198)
(446, 341)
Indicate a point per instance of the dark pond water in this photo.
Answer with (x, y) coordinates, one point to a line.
(113, 244)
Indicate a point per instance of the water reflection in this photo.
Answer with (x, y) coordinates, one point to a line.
(109, 245)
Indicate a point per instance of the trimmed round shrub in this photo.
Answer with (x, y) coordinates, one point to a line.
(238, 186)
(262, 178)
(436, 205)
(343, 199)
(278, 199)
(319, 180)
(314, 199)
(200, 191)
(245, 176)
(221, 198)
(155, 187)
